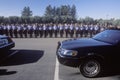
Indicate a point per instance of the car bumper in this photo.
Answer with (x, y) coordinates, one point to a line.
(71, 62)
(68, 61)
(7, 47)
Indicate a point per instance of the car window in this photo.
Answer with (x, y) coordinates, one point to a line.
(110, 36)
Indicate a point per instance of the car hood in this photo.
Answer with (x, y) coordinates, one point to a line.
(84, 42)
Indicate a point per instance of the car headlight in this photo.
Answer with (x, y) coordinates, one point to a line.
(69, 52)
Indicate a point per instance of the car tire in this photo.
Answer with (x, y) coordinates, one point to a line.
(90, 68)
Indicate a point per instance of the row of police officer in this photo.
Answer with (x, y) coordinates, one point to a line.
(50, 30)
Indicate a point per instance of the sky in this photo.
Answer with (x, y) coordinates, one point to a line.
(96, 9)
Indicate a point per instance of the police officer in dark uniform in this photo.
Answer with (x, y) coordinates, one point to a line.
(20, 30)
(61, 30)
(25, 29)
(66, 30)
(45, 30)
(41, 30)
(71, 30)
(102, 28)
(91, 30)
(30, 30)
(29, 27)
(1, 29)
(77, 30)
(5, 30)
(86, 31)
(96, 29)
(37, 30)
(16, 30)
(13, 27)
(55, 28)
(8, 29)
(50, 30)
(81, 31)
(11, 31)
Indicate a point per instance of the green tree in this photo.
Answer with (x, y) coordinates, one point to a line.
(64, 10)
(73, 12)
(1, 19)
(49, 11)
(48, 17)
(37, 19)
(6, 20)
(54, 11)
(89, 20)
(13, 19)
(116, 22)
(26, 12)
(58, 12)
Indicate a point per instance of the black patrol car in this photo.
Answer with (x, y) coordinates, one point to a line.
(91, 55)
(6, 43)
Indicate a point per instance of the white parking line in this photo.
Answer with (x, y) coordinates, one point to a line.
(56, 75)
(12, 53)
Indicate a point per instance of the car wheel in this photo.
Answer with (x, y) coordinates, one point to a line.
(90, 68)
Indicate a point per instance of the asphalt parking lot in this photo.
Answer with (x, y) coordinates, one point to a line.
(35, 59)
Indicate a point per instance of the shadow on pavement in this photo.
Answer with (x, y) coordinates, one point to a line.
(111, 72)
(23, 57)
(5, 72)
(74, 74)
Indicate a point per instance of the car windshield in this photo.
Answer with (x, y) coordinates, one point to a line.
(109, 36)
